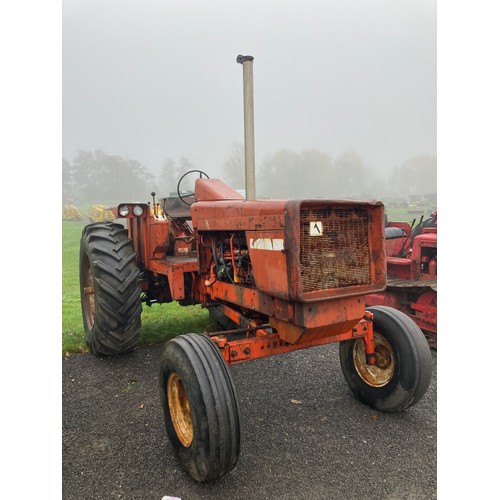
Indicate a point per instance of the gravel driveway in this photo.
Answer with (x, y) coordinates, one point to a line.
(304, 436)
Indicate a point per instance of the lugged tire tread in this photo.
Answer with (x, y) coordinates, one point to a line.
(115, 273)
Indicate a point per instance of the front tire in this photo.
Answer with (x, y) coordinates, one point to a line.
(403, 369)
(109, 289)
(200, 407)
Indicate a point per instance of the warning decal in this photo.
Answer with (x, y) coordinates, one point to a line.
(315, 228)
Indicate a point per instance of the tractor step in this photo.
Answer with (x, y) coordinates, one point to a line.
(404, 283)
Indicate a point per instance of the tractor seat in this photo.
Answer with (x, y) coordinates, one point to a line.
(175, 208)
(394, 232)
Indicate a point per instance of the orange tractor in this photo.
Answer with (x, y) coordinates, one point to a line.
(412, 273)
(287, 274)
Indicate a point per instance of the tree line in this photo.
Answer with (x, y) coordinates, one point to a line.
(96, 177)
(312, 173)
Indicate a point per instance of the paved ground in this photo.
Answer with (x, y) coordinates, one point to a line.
(329, 446)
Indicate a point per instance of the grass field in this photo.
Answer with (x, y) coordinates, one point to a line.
(159, 322)
(403, 215)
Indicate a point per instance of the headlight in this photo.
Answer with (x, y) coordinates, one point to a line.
(137, 210)
(124, 211)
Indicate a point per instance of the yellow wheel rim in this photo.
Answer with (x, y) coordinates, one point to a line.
(88, 294)
(382, 371)
(180, 411)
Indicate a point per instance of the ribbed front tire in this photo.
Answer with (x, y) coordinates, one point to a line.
(200, 407)
(403, 368)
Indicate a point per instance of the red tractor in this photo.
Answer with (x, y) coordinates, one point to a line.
(412, 273)
(288, 274)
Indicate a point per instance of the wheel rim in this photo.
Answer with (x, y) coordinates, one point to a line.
(180, 411)
(382, 371)
(88, 300)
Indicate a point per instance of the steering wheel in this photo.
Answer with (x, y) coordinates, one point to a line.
(183, 198)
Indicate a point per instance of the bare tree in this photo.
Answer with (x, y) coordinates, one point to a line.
(350, 176)
(167, 180)
(234, 167)
(416, 176)
(101, 178)
(288, 174)
(68, 183)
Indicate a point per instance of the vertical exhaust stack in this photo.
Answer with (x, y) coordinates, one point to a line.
(247, 62)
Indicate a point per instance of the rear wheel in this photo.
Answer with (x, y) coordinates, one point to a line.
(200, 407)
(109, 289)
(403, 368)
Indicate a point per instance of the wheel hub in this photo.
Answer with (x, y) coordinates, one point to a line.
(180, 411)
(382, 371)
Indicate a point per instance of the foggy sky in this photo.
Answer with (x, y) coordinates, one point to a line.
(152, 79)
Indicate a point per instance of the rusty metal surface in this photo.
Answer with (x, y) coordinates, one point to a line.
(403, 283)
(264, 343)
(338, 256)
(215, 190)
(334, 248)
(180, 410)
(238, 215)
(269, 263)
(381, 372)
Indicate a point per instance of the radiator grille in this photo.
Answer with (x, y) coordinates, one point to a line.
(338, 258)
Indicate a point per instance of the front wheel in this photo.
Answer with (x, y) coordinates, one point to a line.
(403, 368)
(200, 407)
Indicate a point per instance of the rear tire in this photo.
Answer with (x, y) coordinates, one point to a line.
(200, 407)
(403, 370)
(109, 289)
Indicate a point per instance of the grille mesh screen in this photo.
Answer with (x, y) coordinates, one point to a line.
(338, 258)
